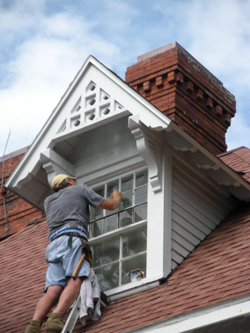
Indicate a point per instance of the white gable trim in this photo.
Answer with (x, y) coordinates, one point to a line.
(135, 103)
(200, 318)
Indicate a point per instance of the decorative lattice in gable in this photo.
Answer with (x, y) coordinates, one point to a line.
(94, 105)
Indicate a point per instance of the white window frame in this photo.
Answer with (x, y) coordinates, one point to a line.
(123, 230)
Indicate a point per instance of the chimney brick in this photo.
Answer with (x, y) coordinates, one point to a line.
(186, 92)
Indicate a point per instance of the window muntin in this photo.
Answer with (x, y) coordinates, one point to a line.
(133, 206)
(113, 258)
(125, 243)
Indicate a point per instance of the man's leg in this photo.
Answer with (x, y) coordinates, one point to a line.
(43, 307)
(54, 323)
(69, 295)
(45, 304)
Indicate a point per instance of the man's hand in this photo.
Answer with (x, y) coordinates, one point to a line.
(116, 195)
(113, 203)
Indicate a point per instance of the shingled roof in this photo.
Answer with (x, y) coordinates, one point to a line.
(217, 271)
(22, 275)
(238, 160)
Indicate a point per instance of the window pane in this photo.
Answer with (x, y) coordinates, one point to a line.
(126, 218)
(134, 242)
(126, 200)
(133, 263)
(141, 178)
(111, 223)
(141, 213)
(141, 195)
(111, 212)
(127, 184)
(100, 191)
(108, 276)
(106, 252)
(96, 213)
(96, 228)
(114, 185)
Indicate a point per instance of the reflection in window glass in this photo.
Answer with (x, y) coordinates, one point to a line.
(100, 191)
(134, 242)
(141, 195)
(96, 213)
(141, 178)
(96, 228)
(133, 263)
(127, 184)
(111, 223)
(126, 218)
(108, 276)
(141, 213)
(126, 200)
(106, 252)
(111, 187)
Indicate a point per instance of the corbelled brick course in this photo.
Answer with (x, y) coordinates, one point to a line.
(185, 91)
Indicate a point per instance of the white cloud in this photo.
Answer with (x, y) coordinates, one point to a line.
(42, 71)
(44, 43)
(238, 134)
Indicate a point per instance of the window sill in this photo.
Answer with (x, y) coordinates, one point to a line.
(132, 288)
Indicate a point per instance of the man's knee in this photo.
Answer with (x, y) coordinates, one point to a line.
(75, 283)
(55, 292)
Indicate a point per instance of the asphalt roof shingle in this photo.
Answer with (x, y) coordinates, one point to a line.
(238, 160)
(216, 271)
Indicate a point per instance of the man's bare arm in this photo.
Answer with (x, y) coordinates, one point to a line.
(113, 203)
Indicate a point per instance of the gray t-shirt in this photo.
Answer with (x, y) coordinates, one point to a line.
(70, 205)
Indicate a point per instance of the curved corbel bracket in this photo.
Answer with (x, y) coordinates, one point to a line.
(150, 150)
(54, 164)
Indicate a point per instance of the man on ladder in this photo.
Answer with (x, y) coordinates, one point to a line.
(67, 212)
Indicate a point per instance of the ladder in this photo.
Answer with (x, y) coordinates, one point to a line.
(75, 310)
(73, 316)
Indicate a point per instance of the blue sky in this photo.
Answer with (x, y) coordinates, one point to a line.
(45, 42)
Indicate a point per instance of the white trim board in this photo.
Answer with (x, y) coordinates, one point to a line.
(200, 318)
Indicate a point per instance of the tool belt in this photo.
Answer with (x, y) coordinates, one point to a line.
(85, 245)
(69, 228)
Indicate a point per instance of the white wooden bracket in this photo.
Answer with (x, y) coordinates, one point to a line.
(55, 164)
(150, 149)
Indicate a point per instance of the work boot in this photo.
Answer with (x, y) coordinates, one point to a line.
(33, 326)
(54, 323)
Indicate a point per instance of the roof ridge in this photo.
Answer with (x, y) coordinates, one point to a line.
(231, 151)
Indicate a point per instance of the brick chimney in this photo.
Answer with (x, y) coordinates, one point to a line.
(186, 92)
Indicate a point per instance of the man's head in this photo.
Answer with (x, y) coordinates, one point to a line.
(61, 181)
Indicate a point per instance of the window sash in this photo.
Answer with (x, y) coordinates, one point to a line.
(123, 224)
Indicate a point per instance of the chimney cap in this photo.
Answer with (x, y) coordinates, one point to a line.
(161, 49)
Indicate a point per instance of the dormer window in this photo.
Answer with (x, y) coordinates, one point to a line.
(119, 238)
